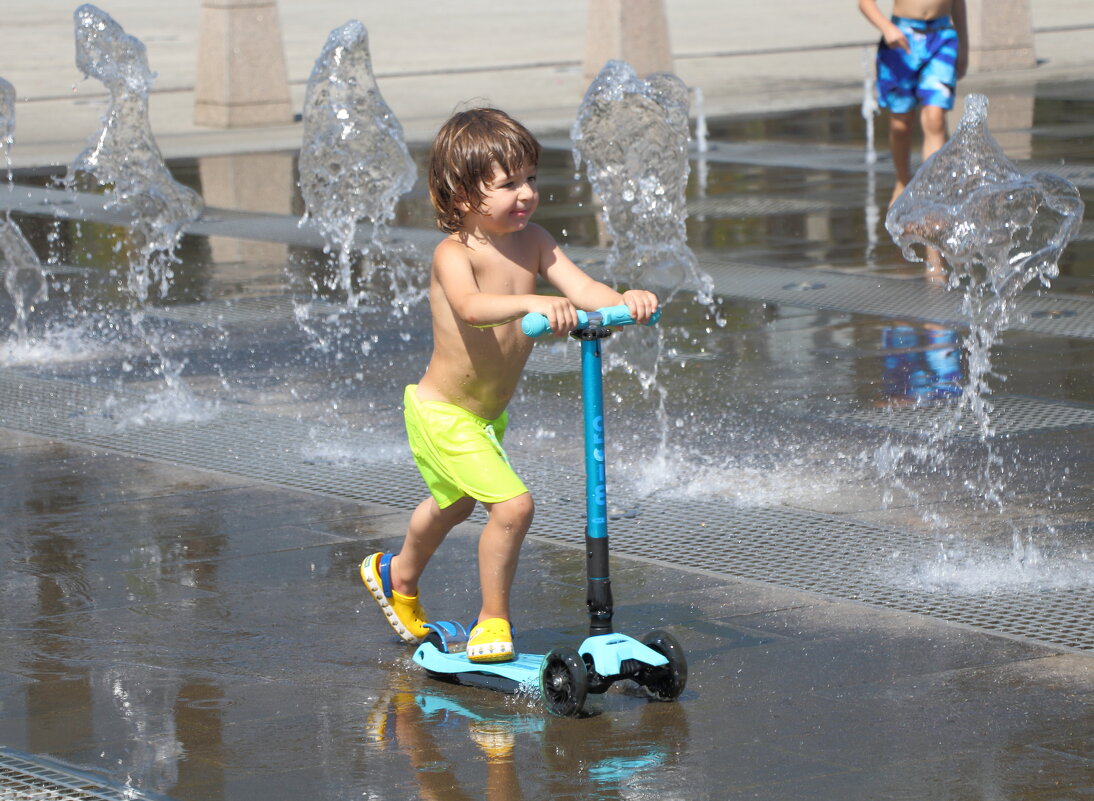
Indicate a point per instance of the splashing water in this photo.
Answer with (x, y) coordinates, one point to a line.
(66, 343)
(24, 279)
(632, 135)
(173, 404)
(354, 163)
(997, 230)
(124, 155)
(7, 122)
(125, 158)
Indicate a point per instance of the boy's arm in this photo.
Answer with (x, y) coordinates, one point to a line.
(586, 292)
(960, 24)
(889, 32)
(452, 270)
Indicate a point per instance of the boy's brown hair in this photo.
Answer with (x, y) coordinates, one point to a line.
(463, 156)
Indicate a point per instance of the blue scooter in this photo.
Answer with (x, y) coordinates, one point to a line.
(566, 676)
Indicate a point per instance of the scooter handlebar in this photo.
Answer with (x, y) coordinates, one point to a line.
(535, 324)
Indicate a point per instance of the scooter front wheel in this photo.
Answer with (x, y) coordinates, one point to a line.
(665, 682)
(563, 682)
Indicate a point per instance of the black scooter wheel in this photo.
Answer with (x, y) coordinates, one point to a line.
(564, 682)
(665, 682)
(436, 640)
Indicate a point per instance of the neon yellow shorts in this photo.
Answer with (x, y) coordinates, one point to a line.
(458, 453)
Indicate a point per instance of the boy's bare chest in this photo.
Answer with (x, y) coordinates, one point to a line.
(921, 9)
(498, 274)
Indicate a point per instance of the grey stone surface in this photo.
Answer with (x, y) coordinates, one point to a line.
(203, 633)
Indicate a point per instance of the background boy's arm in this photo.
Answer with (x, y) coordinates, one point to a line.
(960, 24)
(586, 292)
(889, 32)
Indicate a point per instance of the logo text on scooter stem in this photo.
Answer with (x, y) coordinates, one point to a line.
(600, 496)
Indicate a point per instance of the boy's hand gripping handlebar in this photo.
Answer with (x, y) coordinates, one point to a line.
(535, 324)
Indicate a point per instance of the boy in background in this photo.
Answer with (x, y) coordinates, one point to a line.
(922, 53)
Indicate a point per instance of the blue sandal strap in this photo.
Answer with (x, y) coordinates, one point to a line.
(385, 574)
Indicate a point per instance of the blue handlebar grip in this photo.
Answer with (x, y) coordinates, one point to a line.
(535, 324)
(620, 315)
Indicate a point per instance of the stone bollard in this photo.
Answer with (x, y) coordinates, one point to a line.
(1000, 35)
(241, 77)
(635, 31)
(261, 183)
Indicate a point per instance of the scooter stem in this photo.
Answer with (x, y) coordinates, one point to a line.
(599, 592)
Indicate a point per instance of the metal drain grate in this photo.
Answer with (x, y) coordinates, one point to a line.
(552, 358)
(1012, 416)
(232, 439)
(246, 312)
(1051, 314)
(1078, 174)
(794, 548)
(841, 558)
(830, 158)
(741, 206)
(1056, 315)
(27, 777)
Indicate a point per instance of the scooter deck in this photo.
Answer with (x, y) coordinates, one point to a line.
(507, 677)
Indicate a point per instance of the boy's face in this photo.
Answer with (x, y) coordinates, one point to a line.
(508, 201)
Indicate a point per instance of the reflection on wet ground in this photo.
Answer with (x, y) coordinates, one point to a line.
(190, 622)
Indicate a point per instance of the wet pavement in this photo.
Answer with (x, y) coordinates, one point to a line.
(207, 638)
(189, 492)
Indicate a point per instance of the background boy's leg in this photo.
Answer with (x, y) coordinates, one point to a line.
(429, 525)
(933, 121)
(499, 550)
(900, 148)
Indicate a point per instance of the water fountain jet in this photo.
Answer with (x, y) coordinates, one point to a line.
(997, 230)
(124, 155)
(124, 159)
(632, 135)
(24, 279)
(354, 162)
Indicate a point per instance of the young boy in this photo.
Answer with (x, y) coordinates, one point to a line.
(922, 53)
(482, 181)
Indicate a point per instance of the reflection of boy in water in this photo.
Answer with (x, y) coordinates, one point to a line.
(919, 367)
(600, 763)
(922, 53)
(400, 718)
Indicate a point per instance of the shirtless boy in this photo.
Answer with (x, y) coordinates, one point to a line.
(922, 53)
(482, 181)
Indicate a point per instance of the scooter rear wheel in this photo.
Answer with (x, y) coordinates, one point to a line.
(563, 682)
(665, 682)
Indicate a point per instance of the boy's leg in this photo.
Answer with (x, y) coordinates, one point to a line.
(897, 74)
(491, 639)
(429, 525)
(933, 121)
(499, 550)
(393, 580)
(900, 148)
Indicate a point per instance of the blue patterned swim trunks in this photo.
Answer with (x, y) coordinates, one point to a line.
(927, 75)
